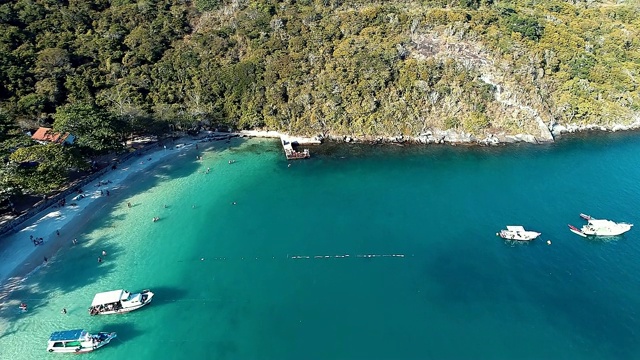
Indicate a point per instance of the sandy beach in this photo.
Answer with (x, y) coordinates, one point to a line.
(59, 226)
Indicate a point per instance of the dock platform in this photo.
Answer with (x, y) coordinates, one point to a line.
(290, 152)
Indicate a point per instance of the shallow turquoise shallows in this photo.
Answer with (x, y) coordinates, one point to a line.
(358, 253)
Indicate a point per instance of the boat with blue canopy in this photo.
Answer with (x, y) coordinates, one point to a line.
(78, 341)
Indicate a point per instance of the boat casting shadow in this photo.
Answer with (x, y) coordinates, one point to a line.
(126, 332)
(165, 295)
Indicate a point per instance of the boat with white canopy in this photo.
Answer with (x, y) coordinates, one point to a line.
(600, 227)
(119, 301)
(518, 233)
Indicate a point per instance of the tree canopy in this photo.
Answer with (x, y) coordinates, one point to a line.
(104, 69)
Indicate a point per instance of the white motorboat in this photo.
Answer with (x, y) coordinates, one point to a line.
(600, 227)
(78, 341)
(518, 233)
(119, 301)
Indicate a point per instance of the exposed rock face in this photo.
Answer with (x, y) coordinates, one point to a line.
(558, 129)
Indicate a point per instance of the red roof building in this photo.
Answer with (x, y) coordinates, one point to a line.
(45, 135)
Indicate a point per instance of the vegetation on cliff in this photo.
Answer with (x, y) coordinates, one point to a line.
(313, 66)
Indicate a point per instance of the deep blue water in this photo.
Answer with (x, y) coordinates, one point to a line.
(230, 285)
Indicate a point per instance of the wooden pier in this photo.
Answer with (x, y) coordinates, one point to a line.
(290, 152)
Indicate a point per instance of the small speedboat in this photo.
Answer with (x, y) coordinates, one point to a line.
(585, 216)
(518, 233)
(78, 341)
(600, 227)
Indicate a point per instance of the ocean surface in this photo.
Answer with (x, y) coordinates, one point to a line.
(361, 252)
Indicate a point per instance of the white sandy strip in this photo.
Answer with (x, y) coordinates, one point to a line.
(17, 247)
(274, 134)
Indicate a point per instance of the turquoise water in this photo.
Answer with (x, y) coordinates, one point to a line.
(229, 283)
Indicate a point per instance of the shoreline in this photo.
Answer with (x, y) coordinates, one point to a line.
(447, 137)
(19, 257)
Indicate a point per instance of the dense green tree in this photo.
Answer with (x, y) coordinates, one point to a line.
(40, 169)
(96, 130)
(336, 66)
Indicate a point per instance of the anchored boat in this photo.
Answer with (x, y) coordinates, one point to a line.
(119, 301)
(600, 227)
(78, 341)
(518, 233)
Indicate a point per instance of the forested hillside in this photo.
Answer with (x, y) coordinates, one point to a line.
(373, 68)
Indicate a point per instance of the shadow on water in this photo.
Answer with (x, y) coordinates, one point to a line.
(163, 295)
(125, 331)
(58, 276)
(80, 266)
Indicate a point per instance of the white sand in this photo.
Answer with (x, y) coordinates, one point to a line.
(274, 134)
(19, 256)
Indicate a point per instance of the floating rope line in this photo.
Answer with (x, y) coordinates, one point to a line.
(344, 256)
(301, 257)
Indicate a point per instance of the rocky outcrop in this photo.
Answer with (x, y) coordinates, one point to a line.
(558, 129)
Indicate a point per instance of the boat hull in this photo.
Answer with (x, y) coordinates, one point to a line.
(600, 227)
(149, 296)
(605, 232)
(576, 231)
(528, 236)
(122, 311)
(85, 346)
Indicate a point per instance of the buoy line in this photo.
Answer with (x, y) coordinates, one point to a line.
(298, 257)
